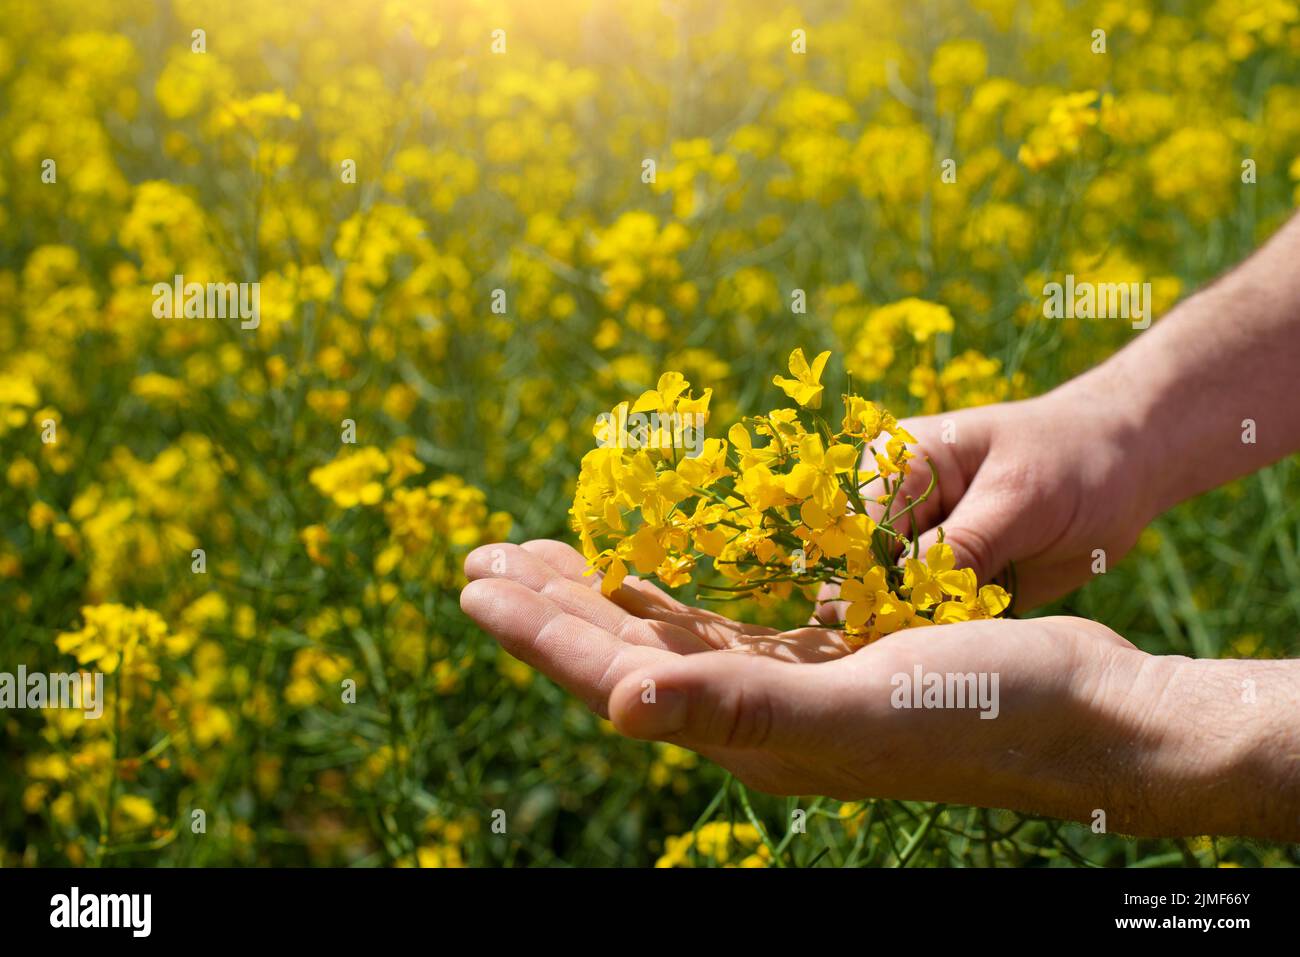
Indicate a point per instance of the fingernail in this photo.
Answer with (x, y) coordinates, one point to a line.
(666, 714)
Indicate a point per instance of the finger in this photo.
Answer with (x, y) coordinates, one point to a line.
(982, 529)
(731, 700)
(934, 460)
(645, 600)
(521, 565)
(949, 448)
(513, 563)
(565, 559)
(584, 659)
(802, 645)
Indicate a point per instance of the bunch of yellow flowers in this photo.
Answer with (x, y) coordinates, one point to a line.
(776, 506)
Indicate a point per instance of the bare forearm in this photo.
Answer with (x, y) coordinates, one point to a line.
(1161, 747)
(1139, 744)
(1149, 746)
(1201, 747)
(1207, 395)
(1209, 392)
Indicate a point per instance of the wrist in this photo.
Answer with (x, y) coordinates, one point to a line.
(1214, 751)
(1121, 429)
(1193, 411)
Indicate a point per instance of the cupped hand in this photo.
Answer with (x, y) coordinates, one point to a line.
(799, 712)
(1051, 484)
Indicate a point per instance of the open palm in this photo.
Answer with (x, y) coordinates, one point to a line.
(797, 712)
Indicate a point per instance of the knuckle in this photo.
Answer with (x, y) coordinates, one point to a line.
(743, 718)
(613, 670)
(559, 590)
(551, 632)
(979, 550)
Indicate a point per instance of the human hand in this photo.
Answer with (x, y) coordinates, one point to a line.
(1084, 721)
(1044, 484)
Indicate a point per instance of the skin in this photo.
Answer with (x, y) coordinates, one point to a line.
(1164, 745)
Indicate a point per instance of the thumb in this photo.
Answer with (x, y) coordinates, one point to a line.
(982, 529)
(727, 699)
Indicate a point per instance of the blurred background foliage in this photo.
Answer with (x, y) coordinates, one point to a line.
(522, 170)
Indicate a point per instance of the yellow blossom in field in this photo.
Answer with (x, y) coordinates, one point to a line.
(470, 256)
(996, 230)
(314, 539)
(432, 526)
(134, 811)
(11, 565)
(1069, 119)
(329, 403)
(115, 636)
(206, 611)
(671, 767)
(352, 478)
(515, 671)
(957, 65)
(636, 251)
(930, 580)
(1246, 25)
(315, 675)
(439, 856)
(887, 160)
(153, 385)
(966, 380)
(893, 461)
(1197, 166)
(168, 231)
(920, 318)
(862, 419)
(41, 516)
(251, 114)
(719, 844)
(17, 393)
